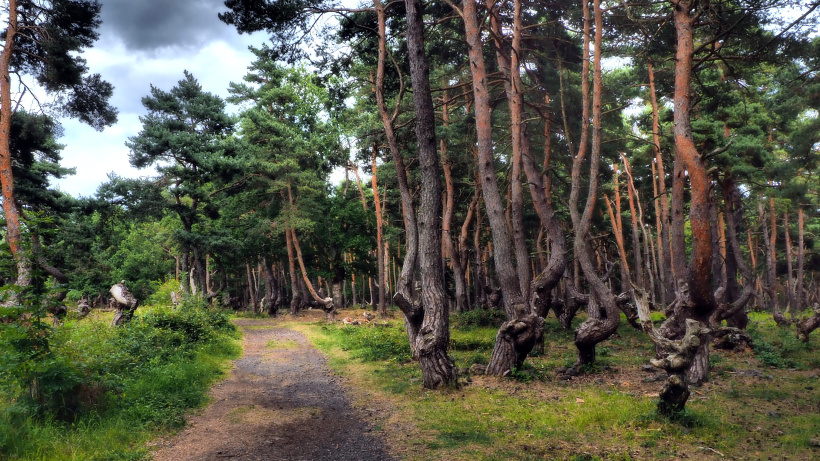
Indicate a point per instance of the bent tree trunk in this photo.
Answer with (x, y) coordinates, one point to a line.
(604, 315)
(404, 296)
(326, 303)
(520, 321)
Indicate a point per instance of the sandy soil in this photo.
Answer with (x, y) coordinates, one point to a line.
(280, 403)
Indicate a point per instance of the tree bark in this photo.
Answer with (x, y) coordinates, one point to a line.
(12, 214)
(295, 300)
(379, 239)
(664, 238)
(593, 330)
(800, 296)
(438, 369)
(124, 304)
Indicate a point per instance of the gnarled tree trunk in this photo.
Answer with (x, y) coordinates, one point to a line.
(124, 304)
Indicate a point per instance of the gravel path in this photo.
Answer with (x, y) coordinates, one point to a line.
(280, 403)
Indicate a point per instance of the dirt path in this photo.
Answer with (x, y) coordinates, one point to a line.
(280, 403)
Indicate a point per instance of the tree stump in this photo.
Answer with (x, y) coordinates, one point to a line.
(82, 307)
(124, 304)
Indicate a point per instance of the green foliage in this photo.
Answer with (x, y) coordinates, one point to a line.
(479, 318)
(161, 295)
(103, 389)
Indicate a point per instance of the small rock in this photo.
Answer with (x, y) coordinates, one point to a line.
(774, 414)
(477, 369)
(814, 442)
(654, 379)
(751, 373)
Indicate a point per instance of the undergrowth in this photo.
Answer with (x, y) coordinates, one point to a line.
(95, 392)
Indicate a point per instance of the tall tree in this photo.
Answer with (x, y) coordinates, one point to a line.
(183, 136)
(43, 40)
(437, 367)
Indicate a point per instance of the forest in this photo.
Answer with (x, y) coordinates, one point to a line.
(566, 176)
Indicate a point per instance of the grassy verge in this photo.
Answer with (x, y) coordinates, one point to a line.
(111, 390)
(748, 410)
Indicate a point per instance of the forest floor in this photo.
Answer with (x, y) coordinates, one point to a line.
(279, 402)
(360, 398)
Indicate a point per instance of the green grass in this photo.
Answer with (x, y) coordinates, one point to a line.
(126, 385)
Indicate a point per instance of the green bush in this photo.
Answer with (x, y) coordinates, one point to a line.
(161, 292)
(85, 380)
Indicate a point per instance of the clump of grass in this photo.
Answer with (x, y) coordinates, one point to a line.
(370, 342)
(767, 353)
(282, 344)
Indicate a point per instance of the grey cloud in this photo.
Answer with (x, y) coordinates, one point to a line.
(150, 25)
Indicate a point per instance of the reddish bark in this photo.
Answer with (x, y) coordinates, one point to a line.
(377, 204)
(700, 276)
(603, 306)
(664, 238)
(12, 215)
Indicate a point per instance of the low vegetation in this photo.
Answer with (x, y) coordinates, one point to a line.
(86, 391)
(760, 403)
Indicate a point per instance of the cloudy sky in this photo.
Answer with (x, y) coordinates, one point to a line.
(145, 42)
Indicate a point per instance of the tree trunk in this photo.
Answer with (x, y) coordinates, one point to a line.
(687, 157)
(404, 297)
(124, 304)
(450, 250)
(664, 238)
(675, 357)
(593, 330)
(271, 289)
(295, 300)
(326, 303)
(438, 369)
(789, 269)
(800, 296)
(515, 100)
(806, 326)
(12, 214)
(508, 276)
(379, 239)
(251, 288)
